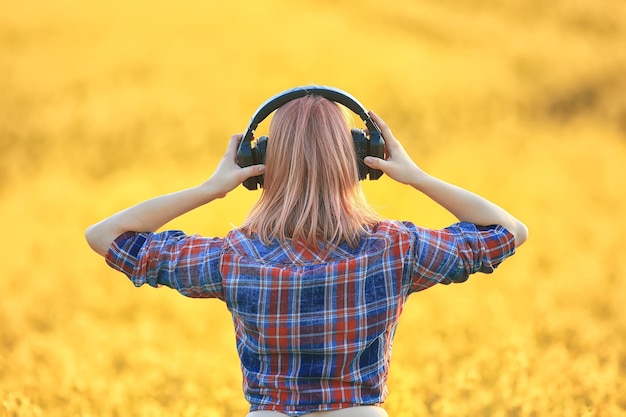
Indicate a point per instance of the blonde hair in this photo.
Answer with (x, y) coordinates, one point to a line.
(311, 191)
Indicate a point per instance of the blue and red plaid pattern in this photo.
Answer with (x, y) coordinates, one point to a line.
(314, 330)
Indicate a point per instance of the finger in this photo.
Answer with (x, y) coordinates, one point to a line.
(373, 162)
(234, 140)
(384, 128)
(233, 144)
(391, 143)
(252, 171)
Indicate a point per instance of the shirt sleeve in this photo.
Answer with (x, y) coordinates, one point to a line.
(452, 254)
(188, 264)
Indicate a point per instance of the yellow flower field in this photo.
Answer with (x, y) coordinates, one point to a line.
(106, 103)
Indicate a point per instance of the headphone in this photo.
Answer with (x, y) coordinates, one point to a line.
(251, 151)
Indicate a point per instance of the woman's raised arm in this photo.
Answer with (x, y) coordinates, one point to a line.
(150, 215)
(463, 204)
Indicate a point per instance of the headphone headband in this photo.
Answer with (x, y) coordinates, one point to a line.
(330, 93)
(248, 155)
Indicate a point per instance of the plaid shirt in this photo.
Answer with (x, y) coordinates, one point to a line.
(314, 332)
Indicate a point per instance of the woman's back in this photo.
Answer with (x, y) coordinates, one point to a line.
(316, 328)
(314, 331)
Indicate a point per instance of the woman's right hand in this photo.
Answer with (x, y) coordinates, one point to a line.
(228, 174)
(397, 163)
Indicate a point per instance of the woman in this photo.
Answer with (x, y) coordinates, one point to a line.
(314, 279)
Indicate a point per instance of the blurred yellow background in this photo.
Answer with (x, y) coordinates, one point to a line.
(106, 103)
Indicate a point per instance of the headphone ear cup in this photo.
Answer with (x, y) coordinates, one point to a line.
(244, 154)
(376, 148)
(248, 156)
(259, 156)
(259, 150)
(360, 146)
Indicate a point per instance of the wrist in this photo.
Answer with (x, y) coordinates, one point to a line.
(210, 190)
(421, 181)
